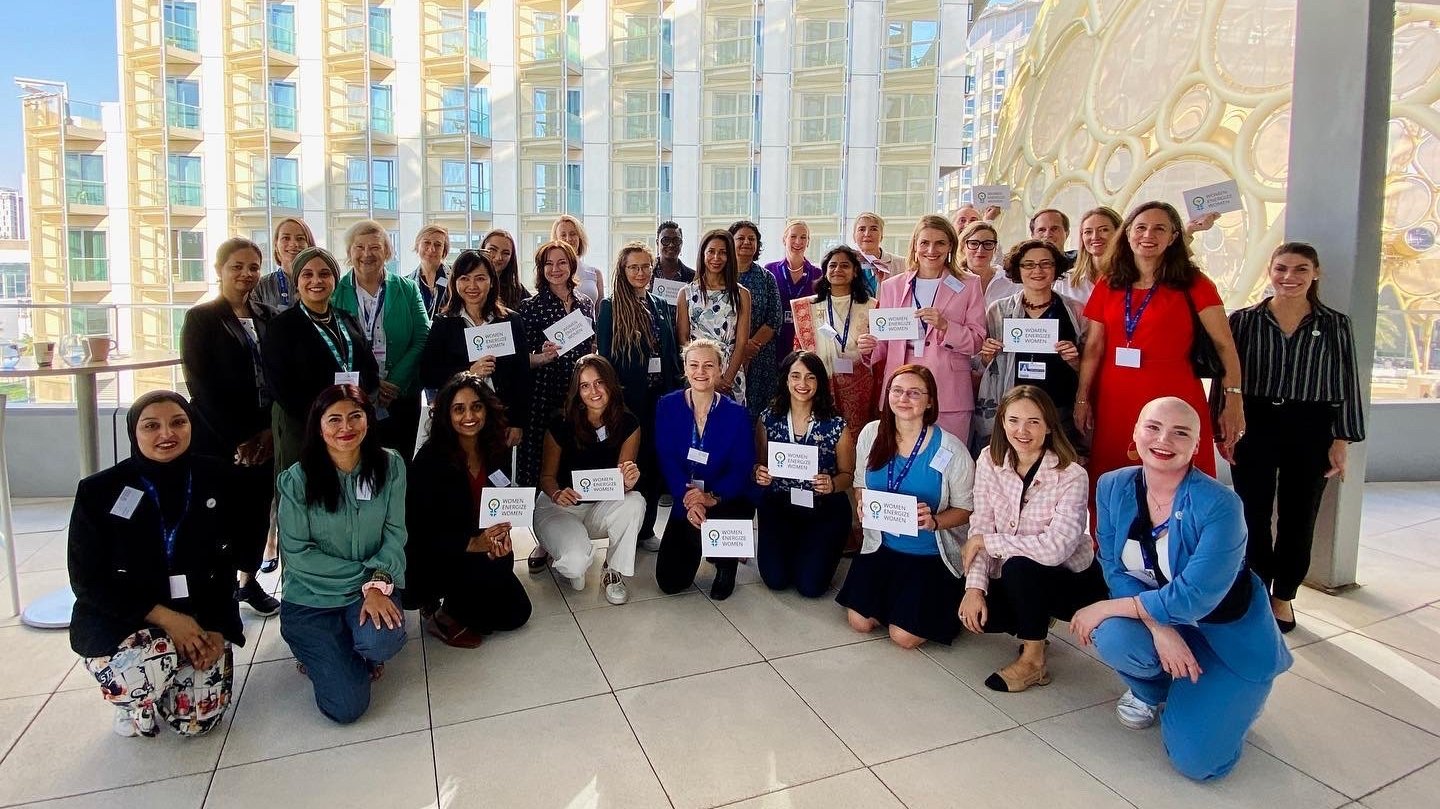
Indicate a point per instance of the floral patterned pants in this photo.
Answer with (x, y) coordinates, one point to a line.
(146, 676)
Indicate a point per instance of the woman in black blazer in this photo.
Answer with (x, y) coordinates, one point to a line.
(475, 301)
(447, 556)
(310, 347)
(153, 552)
(636, 328)
(220, 354)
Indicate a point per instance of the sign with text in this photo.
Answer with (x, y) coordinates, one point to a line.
(1032, 335)
(1218, 198)
(570, 331)
(598, 484)
(491, 339)
(794, 461)
(513, 505)
(987, 195)
(727, 538)
(891, 513)
(894, 324)
(667, 290)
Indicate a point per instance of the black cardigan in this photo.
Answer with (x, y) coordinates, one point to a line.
(439, 520)
(445, 355)
(298, 364)
(118, 568)
(215, 355)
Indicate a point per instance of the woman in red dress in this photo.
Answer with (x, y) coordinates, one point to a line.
(1141, 331)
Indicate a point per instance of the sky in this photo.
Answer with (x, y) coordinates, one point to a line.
(61, 40)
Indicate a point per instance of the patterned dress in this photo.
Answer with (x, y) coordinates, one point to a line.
(762, 372)
(822, 433)
(551, 380)
(712, 315)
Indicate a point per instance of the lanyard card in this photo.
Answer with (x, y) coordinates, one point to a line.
(127, 501)
(1127, 357)
(347, 378)
(802, 497)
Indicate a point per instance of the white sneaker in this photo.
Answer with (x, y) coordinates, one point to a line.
(615, 590)
(665, 501)
(129, 724)
(1135, 713)
(650, 543)
(577, 584)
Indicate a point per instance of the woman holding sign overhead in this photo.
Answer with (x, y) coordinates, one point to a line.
(951, 327)
(587, 481)
(555, 266)
(908, 574)
(707, 453)
(474, 310)
(804, 510)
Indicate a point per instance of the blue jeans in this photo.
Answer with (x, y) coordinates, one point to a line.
(338, 653)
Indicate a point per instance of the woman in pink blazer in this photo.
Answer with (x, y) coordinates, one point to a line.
(951, 310)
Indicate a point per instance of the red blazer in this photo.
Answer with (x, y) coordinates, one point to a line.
(948, 352)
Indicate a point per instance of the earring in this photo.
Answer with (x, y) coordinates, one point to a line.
(1133, 453)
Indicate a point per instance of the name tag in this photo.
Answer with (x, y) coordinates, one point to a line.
(789, 317)
(954, 283)
(941, 460)
(844, 365)
(1147, 577)
(828, 330)
(1031, 370)
(601, 433)
(802, 497)
(442, 281)
(917, 347)
(654, 366)
(362, 490)
(697, 455)
(127, 501)
(698, 484)
(1127, 357)
(348, 378)
(499, 479)
(179, 588)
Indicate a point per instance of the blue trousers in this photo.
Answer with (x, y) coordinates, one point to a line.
(338, 653)
(800, 547)
(1204, 723)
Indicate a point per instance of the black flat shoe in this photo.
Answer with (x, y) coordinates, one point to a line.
(254, 596)
(270, 565)
(723, 585)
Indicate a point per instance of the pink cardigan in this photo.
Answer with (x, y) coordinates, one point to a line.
(1050, 529)
(948, 352)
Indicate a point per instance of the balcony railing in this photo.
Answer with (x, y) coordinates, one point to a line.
(182, 115)
(85, 192)
(452, 121)
(452, 199)
(573, 126)
(358, 197)
(282, 38)
(188, 270)
(282, 117)
(89, 269)
(83, 114)
(382, 120)
(182, 36)
(186, 193)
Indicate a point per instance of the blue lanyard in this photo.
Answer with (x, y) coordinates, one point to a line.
(697, 440)
(1160, 529)
(840, 337)
(284, 283)
(793, 290)
(169, 532)
(379, 311)
(1131, 323)
(330, 344)
(891, 481)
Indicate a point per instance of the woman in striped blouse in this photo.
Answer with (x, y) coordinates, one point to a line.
(1302, 398)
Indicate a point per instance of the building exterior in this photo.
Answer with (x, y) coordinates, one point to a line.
(12, 215)
(477, 114)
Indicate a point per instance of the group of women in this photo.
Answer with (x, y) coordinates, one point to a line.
(1011, 456)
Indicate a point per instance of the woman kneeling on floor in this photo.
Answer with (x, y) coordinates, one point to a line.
(152, 562)
(1028, 560)
(447, 556)
(1188, 624)
(342, 544)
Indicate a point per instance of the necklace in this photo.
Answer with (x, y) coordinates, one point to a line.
(1037, 307)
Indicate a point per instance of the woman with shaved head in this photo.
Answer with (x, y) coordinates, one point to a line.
(1188, 625)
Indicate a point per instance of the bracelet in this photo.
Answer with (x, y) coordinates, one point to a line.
(1235, 391)
(1136, 601)
(1082, 401)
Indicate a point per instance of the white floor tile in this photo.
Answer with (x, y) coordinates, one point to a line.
(397, 771)
(1013, 768)
(642, 585)
(1412, 542)
(545, 597)
(663, 638)
(1390, 585)
(31, 515)
(728, 735)
(745, 574)
(187, 792)
(35, 661)
(32, 586)
(588, 758)
(786, 623)
(543, 662)
(1414, 790)
(1367, 749)
(885, 702)
(1416, 632)
(1309, 629)
(1389, 680)
(858, 789)
(277, 714)
(45, 550)
(15, 716)
(1133, 763)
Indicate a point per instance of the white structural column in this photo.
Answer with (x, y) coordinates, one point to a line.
(1335, 201)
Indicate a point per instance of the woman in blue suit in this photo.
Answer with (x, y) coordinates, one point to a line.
(1188, 624)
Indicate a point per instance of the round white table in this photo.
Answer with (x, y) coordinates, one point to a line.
(52, 610)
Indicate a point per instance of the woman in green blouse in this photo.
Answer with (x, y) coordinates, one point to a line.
(342, 541)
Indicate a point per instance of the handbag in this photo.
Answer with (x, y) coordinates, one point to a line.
(1204, 357)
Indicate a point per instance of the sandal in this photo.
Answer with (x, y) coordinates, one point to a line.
(269, 565)
(377, 670)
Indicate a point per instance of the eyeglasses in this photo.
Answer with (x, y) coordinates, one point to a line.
(670, 240)
(976, 244)
(637, 268)
(1047, 264)
(910, 394)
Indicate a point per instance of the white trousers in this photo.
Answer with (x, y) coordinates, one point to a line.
(565, 532)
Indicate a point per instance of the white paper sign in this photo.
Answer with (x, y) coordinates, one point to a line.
(491, 339)
(1032, 335)
(513, 505)
(598, 484)
(794, 461)
(987, 195)
(891, 513)
(727, 538)
(894, 324)
(1218, 198)
(667, 290)
(570, 331)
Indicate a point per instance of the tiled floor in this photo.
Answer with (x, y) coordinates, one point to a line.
(764, 700)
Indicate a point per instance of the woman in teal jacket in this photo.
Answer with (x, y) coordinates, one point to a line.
(392, 315)
(342, 543)
(1187, 624)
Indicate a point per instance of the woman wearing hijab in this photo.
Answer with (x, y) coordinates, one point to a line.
(153, 553)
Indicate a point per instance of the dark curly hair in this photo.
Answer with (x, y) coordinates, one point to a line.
(1012, 259)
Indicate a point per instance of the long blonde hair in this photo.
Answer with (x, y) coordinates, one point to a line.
(1086, 267)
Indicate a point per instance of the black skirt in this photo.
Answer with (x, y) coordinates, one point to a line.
(914, 592)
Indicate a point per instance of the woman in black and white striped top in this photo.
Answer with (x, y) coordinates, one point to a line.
(1302, 410)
